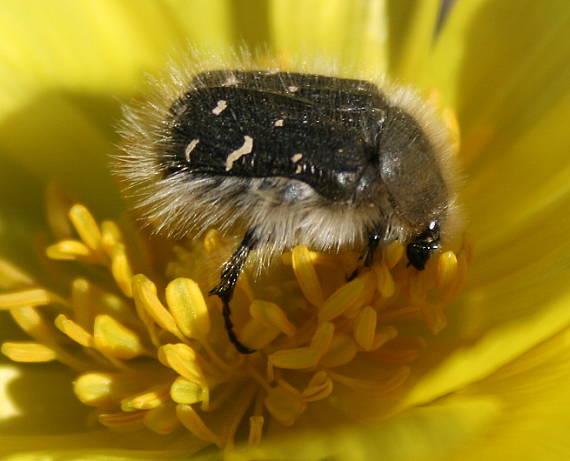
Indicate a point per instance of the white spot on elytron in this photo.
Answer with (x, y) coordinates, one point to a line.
(293, 89)
(231, 80)
(299, 169)
(279, 122)
(296, 158)
(189, 148)
(245, 149)
(222, 104)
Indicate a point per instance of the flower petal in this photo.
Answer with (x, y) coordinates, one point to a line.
(497, 348)
(526, 182)
(535, 391)
(61, 78)
(108, 47)
(503, 66)
(521, 265)
(102, 446)
(412, 30)
(354, 34)
(427, 433)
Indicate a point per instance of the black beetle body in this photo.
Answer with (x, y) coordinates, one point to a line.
(292, 158)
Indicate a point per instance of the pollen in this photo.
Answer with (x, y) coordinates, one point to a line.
(149, 347)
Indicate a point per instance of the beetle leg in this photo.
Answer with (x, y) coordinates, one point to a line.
(228, 279)
(367, 257)
(374, 239)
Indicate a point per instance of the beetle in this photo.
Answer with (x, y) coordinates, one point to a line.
(289, 158)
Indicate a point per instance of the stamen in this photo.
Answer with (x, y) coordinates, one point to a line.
(123, 421)
(121, 269)
(386, 285)
(306, 275)
(446, 269)
(57, 207)
(99, 389)
(12, 276)
(29, 297)
(86, 226)
(195, 424)
(31, 322)
(320, 387)
(400, 350)
(184, 360)
(35, 325)
(236, 413)
(255, 430)
(395, 315)
(188, 392)
(451, 291)
(272, 315)
(222, 395)
(117, 307)
(188, 307)
(284, 404)
(149, 323)
(342, 350)
(71, 250)
(326, 260)
(74, 331)
(433, 316)
(150, 398)
(393, 253)
(110, 236)
(80, 302)
(365, 328)
(295, 359)
(144, 292)
(28, 352)
(115, 339)
(345, 297)
(213, 241)
(392, 382)
(383, 336)
(162, 420)
(323, 337)
(258, 334)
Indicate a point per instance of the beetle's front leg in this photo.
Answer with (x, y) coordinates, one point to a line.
(228, 279)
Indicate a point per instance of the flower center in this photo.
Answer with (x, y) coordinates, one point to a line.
(151, 349)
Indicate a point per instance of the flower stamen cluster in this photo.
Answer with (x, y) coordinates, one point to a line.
(151, 351)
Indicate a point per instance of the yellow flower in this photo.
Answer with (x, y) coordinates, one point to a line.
(494, 383)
